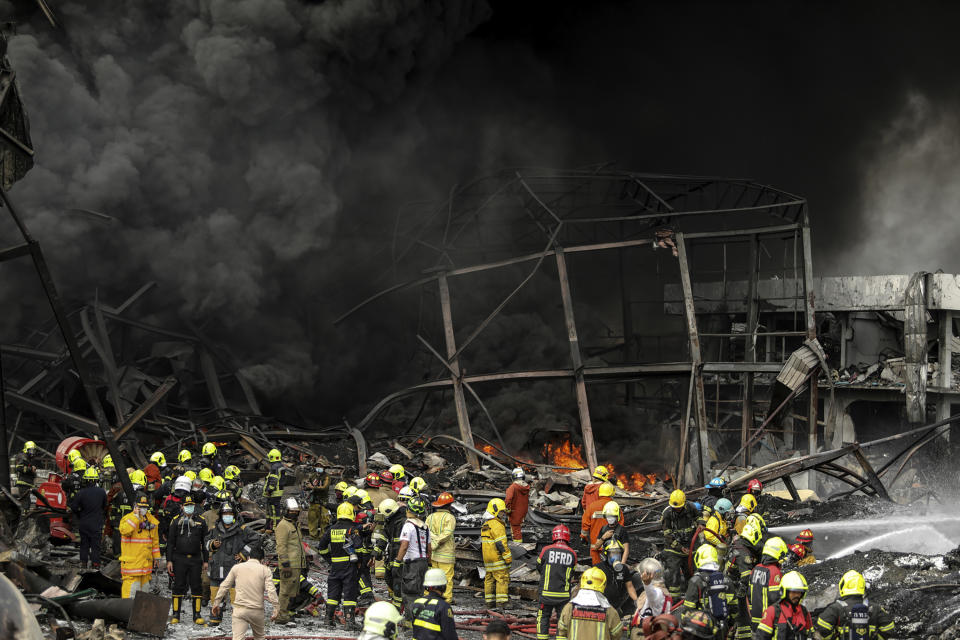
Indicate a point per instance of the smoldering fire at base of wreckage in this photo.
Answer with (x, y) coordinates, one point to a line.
(921, 591)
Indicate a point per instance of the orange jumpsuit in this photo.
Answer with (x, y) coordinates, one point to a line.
(592, 522)
(518, 503)
(590, 493)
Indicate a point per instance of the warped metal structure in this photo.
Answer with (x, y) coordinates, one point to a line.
(663, 234)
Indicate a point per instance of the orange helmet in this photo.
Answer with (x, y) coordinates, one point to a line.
(805, 536)
(443, 499)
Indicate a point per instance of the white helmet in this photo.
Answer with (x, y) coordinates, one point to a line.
(406, 493)
(435, 578)
(183, 483)
(518, 474)
(382, 619)
(291, 504)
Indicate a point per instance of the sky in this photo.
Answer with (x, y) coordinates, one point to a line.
(254, 153)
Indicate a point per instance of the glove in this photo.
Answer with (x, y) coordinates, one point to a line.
(215, 544)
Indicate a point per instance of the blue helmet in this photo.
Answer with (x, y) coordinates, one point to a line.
(723, 506)
(716, 483)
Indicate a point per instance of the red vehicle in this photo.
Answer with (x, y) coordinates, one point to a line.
(93, 452)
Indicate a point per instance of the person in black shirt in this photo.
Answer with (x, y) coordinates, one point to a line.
(90, 506)
(613, 530)
(620, 587)
(556, 563)
(187, 558)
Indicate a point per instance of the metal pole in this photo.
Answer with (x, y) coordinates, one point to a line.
(695, 356)
(459, 402)
(5, 458)
(750, 348)
(808, 295)
(70, 339)
(586, 425)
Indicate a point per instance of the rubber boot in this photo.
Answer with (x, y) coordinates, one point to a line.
(177, 603)
(331, 613)
(197, 605)
(214, 621)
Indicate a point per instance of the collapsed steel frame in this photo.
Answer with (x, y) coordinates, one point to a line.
(528, 216)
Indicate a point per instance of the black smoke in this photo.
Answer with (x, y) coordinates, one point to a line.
(255, 153)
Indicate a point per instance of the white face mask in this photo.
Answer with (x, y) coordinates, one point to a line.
(611, 519)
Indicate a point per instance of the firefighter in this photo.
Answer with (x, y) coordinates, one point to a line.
(290, 556)
(418, 485)
(621, 583)
(593, 520)
(139, 548)
(715, 531)
(108, 472)
(413, 553)
(716, 489)
(591, 491)
(172, 505)
(156, 471)
(232, 484)
(805, 538)
(25, 466)
(71, 484)
(748, 505)
(765, 580)
(432, 615)
(184, 463)
(518, 503)
(374, 486)
(403, 495)
(119, 505)
(788, 618)
(224, 540)
(677, 522)
(386, 541)
(381, 622)
(795, 553)
(337, 546)
(273, 489)
(588, 615)
(443, 548)
(851, 616)
(710, 590)
(317, 488)
(210, 458)
(386, 484)
(743, 557)
(89, 507)
(496, 554)
(399, 477)
(614, 529)
(220, 494)
(364, 521)
(555, 563)
(187, 558)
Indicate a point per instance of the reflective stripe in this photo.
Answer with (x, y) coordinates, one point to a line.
(426, 625)
(137, 540)
(764, 627)
(555, 594)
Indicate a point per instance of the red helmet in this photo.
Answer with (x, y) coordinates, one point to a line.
(397, 485)
(443, 499)
(805, 536)
(361, 517)
(386, 476)
(373, 479)
(754, 486)
(798, 550)
(560, 532)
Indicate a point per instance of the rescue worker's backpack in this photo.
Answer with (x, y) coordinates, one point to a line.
(717, 603)
(854, 623)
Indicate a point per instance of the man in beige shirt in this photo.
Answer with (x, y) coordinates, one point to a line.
(250, 579)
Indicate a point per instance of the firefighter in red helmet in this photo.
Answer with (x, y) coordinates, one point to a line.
(556, 563)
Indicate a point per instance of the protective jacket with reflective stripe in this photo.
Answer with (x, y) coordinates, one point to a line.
(339, 542)
(139, 544)
(835, 620)
(493, 543)
(433, 619)
(556, 563)
(764, 590)
(442, 524)
(784, 621)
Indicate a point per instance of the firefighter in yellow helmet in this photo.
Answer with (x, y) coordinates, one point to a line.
(593, 520)
(678, 523)
(592, 491)
(25, 466)
(852, 616)
(273, 488)
(139, 548)
(788, 613)
(748, 504)
(496, 554)
(588, 615)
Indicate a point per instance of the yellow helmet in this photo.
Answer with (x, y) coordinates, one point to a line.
(398, 472)
(758, 521)
(184, 455)
(29, 444)
(852, 584)
(73, 456)
(495, 506)
(349, 491)
(217, 483)
(107, 462)
(91, 474)
(418, 484)
(748, 502)
(158, 459)
(79, 464)
(345, 511)
(341, 486)
(794, 581)
(593, 579)
(209, 449)
(751, 533)
(606, 490)
(138, 477)
(601, 473)
(190, 473)
(775, 547)
(274, 455)
(611, 509)
(363, 495)
(706, 554)
(232, 472)
(388, 507)
(206, 475)
(678, 498)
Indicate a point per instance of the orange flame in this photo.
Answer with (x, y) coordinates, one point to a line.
(565, 454)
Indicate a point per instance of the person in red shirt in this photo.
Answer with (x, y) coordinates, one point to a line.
(518, 503)
(788, 619)
(591, 491)
(765, 580)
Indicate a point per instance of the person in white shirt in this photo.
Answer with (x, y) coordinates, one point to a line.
(250, 579)
(413, 553)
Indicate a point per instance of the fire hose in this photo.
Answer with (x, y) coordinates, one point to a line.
(522, 626)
